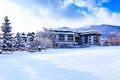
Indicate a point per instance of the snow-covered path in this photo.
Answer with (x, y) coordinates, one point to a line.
(96, 63)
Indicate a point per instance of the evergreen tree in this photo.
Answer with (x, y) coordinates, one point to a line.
(18, 41)
(31, 39)
(7, 36)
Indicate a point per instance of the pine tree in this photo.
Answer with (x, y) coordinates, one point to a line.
(18, 41)
(7, 36)
(31, 39)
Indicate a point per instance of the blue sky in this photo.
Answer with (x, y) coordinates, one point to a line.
(33, 15)
(113, 5)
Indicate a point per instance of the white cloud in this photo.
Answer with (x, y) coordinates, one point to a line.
(1, 78)
(99, 15)
(80, 3)
(23, 19)
(103, 1)
(105, 16)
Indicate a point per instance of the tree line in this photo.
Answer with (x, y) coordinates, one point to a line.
(23, 41)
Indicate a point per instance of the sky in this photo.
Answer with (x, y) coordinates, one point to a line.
(33, 15)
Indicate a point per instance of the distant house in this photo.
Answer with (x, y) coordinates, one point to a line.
(70, 38)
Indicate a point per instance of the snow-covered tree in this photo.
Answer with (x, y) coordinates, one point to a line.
(31, 39)
(18, 40)
(51, 36)
(1, 42)
(7, 35)
(39, 37)
(112, 40)
(44, 39)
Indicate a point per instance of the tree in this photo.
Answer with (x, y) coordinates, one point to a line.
(51, 36)
(112, 40)
(18, 40)
(31, 37)
(1, 41)
(44, 38)
(7, 35)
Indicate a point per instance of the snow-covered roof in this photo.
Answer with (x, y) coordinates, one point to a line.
(63, 33)
(89, 32)
(59, 31)
(25, 35)
(63, 29)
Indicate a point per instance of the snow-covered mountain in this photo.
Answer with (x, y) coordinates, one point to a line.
(64, 29)
(105, 30)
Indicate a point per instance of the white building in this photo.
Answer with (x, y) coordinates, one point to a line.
(69, 38)
(64, 38)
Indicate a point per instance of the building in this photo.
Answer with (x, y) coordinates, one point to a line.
(64, 38)
(89, 38)
(70, 38)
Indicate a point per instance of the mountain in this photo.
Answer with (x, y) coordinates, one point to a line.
(64, 29)
(104, 29)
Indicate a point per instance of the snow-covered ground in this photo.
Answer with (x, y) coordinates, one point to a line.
(95, 63)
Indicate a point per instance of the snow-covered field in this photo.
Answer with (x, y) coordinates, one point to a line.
(95, 63)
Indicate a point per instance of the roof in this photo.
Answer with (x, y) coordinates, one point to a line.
(89, 32)
(23, 35)
(63, 29)
(59, 31)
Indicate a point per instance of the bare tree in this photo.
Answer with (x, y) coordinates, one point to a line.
(44, 38)
(112, 40)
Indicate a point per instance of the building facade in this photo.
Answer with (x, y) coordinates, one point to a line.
(89, 38)
(64, 38)
(69, 38)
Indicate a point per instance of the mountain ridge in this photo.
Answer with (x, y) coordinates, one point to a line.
(105, 29)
